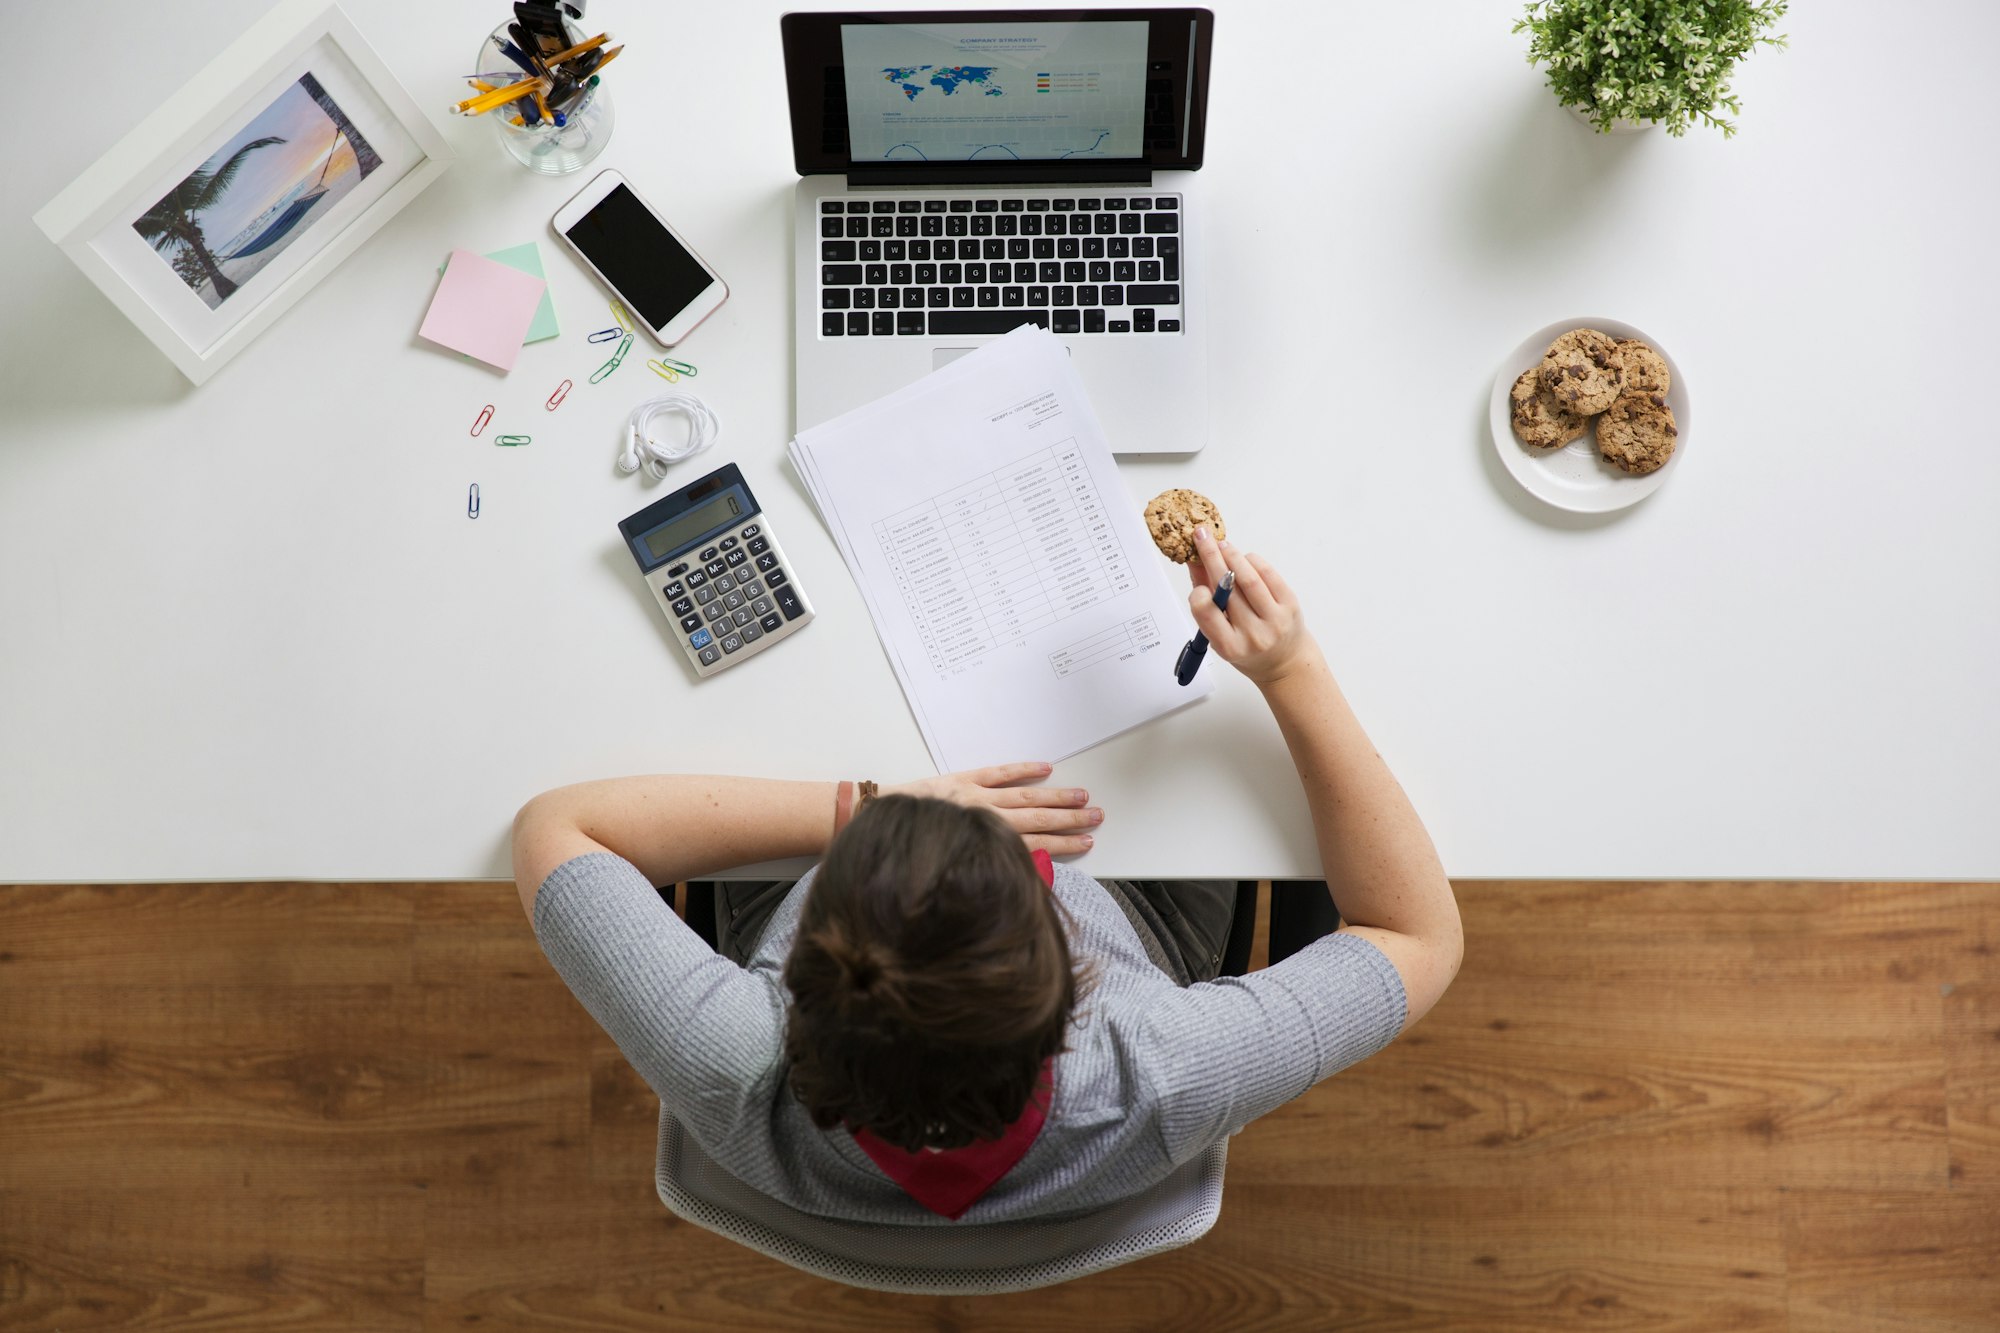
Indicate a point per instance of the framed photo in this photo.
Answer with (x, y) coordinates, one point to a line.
(230, 200)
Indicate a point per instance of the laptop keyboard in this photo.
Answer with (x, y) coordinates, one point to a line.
(946, 267)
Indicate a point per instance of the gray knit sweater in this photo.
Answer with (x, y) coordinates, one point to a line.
(1154, 1074)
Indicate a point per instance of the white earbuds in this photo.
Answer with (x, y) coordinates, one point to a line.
(642, 450)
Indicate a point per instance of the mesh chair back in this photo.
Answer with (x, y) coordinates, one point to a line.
(936, 1259)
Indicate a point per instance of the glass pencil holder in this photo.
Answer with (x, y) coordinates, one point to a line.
(548, 148)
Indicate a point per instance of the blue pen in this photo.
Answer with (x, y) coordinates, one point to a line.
(513, 53)
(1197, 647)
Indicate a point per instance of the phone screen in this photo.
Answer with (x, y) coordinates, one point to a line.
(651, 270)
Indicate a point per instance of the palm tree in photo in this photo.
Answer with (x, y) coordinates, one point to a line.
(175, 222)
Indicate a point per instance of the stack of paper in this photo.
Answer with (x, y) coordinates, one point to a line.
(1017, 594)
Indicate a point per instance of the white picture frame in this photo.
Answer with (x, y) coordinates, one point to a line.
(300, 76)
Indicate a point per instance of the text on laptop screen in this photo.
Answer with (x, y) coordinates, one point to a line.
(956, 92)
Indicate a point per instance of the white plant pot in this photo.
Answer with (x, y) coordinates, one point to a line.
(1618, 126)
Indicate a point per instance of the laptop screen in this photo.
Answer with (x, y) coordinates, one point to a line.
(997, 94)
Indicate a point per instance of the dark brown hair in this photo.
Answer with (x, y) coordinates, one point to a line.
(930, 977)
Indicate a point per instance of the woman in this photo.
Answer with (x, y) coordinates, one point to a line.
(936, 1024)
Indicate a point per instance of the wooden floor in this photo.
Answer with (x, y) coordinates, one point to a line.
(1657, 1106)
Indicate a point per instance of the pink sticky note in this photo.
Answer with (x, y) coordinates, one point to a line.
(483, 308)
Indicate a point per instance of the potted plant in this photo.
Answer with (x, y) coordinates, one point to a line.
(1626, 64)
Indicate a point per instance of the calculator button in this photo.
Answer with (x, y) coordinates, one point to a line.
(732, 600)
(735, 558)
(768, 560)
(751, 531)
(728, 543)
(677, 570)
(774, 578)
(715, 610)
(732, 643)
(762, 606)
(696, 579)
(716, 568)
(772, 621)
(704, 594)
(759, 546)
(788, 602)
(751, 633)
(673, 589)
(701, 638)
(723, 584)
(709, 657)
(689, 624)
(708, 554)
(749, 587)
(683, 605)
(743, 617)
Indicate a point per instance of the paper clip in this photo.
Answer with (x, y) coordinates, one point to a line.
(661, 369)
(682, 366)
(562, 392)
(472, 501)
(607, 335)
(509, 441)
(618, 313)
(485, 415)
(624, 346)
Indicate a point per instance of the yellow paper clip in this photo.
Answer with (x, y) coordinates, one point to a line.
(681, 366)
(618, 313)
(624, 346)
(664, 371)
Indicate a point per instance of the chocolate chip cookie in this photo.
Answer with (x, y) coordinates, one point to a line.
(1584, 371)
(1645, 369)
(1540, 420)
(1636, 433)
(1171, 516)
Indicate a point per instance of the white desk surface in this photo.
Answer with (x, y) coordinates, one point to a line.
(247, 631)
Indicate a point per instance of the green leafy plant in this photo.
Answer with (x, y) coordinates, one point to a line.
(1667, 61)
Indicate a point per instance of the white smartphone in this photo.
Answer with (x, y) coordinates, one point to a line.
(667, 286)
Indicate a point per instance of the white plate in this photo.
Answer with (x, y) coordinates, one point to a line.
(1574, 477)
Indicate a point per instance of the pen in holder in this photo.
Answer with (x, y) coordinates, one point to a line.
(547, 147)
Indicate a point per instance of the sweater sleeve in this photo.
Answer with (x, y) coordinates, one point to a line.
(1224, 1052)
(707, 1035)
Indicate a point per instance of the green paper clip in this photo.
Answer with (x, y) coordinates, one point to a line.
(624, 346)
(511, 440)
(682, 366)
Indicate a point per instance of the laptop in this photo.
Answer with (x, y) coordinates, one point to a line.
(964, 172)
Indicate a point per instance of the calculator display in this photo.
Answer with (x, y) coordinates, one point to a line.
(670, 537)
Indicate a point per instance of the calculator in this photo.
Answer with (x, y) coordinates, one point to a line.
(709, 555)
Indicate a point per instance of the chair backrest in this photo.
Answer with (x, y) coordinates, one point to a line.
(943, 1259)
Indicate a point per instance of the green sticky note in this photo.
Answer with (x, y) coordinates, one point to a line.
(528, 259)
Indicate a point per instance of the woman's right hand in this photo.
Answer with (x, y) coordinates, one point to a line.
(1262, 633)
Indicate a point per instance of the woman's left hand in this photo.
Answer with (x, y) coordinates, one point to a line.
(1050, 819)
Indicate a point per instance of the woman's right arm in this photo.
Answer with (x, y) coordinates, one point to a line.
(1376, 856)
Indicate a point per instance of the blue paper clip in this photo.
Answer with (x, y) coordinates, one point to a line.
(681, 366)
(616, 357)
(472, 501)
(607, 335)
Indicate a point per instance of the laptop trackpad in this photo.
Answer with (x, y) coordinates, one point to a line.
(944, 356)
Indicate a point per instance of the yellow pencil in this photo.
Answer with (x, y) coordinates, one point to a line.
(485, 102)
(543, 106)
(577, 50)
(483, 87)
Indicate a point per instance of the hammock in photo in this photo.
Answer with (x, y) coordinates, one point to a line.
(298, 208)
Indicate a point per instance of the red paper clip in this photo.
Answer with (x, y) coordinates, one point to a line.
(562, 392)
(485, 415)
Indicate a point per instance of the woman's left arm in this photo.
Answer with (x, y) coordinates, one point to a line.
(677, 827)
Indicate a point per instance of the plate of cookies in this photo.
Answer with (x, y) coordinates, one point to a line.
(1590, 415)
